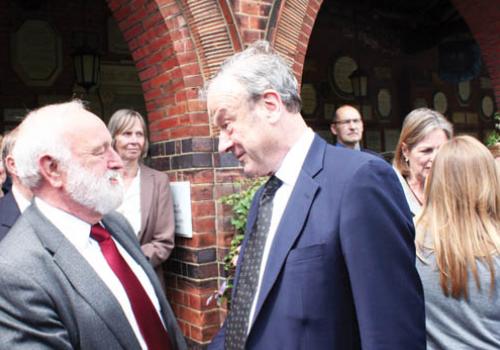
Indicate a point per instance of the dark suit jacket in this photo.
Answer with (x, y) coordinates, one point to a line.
(51, 298)
(9, 212)
(341, 271)
(157, 218)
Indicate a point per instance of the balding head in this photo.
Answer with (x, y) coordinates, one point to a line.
(347, 125)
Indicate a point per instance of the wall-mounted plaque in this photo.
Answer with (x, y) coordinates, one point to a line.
(339, 73)
(384, 103)
(36, 53)
(309, 100)
(472, 118)
(458, 117)
(440, 102)
(181, 194)
(366, 112)
(329, 110)
(373, 140)
(464, 92)
(391, 138)
(487, 107)
(419, 102)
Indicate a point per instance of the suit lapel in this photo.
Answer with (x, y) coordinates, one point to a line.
(9, 211)
(83, 278)
(147, 188)
(293, 219)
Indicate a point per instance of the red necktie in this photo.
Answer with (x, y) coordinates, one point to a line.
(150, 325)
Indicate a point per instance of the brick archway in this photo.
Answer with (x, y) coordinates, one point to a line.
(483, 18)
(176, 46)
(289, 28)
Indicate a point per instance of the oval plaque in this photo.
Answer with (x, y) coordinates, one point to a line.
(37, 53)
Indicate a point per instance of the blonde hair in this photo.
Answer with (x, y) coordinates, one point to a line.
(417, 125)
(460, 219)
(123, 119)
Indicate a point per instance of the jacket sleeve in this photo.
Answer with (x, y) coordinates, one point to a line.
(377, 238)
(159, 236)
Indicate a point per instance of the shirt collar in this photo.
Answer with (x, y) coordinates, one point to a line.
(75, 230)
(21, 201)
(292, 163)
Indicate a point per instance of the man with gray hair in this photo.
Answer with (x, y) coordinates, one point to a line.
(19, 196)
(72, 273)
(328, 259)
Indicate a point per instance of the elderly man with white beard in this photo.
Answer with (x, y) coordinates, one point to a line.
(72, 273)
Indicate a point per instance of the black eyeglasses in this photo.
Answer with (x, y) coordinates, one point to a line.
(347, 121)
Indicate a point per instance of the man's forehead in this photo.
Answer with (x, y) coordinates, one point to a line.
(346, 113)
(224, 97)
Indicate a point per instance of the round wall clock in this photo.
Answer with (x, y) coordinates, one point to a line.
(339, 72)
(440, 102)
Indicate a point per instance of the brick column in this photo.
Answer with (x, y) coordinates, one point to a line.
(483, 19)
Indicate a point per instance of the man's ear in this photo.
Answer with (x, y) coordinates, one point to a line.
(51, 171)
(10, 165)
(333, 129)
(271, 101)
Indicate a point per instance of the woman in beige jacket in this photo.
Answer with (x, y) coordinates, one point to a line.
(148, 204)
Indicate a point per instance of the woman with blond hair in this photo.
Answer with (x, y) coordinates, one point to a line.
(458, 248)
(148, 202)
(424, 131)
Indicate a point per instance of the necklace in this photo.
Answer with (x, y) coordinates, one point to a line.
(413, 192)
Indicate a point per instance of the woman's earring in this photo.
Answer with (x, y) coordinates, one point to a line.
(407, 161)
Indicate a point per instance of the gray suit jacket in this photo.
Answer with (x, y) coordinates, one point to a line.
(51, 298)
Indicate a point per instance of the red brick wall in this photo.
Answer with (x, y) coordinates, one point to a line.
(483, 18)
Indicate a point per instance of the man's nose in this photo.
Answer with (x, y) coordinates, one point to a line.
(225, 143)
(114, 162)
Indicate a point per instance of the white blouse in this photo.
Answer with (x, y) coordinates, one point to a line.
(131, 206)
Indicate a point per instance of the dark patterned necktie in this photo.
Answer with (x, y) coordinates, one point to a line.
(150, 325)
(238, 318)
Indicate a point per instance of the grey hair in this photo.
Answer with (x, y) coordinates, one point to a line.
(258, 68)
(8, 143)
(43, 133)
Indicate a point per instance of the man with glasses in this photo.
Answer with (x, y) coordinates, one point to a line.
(347, 125)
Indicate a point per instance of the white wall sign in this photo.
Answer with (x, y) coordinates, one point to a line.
(181, 192)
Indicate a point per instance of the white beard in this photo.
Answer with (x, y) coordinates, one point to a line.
(94, 192)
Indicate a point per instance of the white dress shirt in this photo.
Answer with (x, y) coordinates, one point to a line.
(21, 201)
(78, 233)
(288, 172)
(131, 205)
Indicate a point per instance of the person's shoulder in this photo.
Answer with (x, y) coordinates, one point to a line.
(373, 153)
(148, 171)
(21, 237)
(7, 200)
